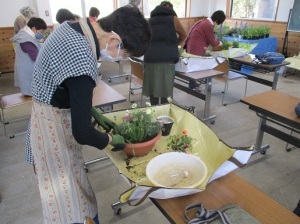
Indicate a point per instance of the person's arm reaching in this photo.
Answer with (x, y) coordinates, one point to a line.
(81, 93)
(180, 31)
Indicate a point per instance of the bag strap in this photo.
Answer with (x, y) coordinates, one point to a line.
(188, 36)
(203, 215)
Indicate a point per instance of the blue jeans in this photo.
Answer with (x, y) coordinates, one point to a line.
(192, 84)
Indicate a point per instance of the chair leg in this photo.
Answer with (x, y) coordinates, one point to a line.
(226, 88)
(4, 123)
(129, 94)
(246, 85)
(224, 92)
(287, 148)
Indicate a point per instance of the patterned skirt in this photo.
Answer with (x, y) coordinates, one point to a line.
(66, 194)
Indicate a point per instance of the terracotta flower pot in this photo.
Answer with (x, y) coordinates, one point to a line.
(140, 149)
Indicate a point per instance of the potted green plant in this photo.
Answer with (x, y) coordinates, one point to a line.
(138, 128)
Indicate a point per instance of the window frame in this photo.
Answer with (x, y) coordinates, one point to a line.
(84, 11)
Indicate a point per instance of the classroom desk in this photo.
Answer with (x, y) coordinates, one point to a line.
(247, 60)
(222, 191)
(104, 97)
(206, 75)
(263, 45)
(275, 107)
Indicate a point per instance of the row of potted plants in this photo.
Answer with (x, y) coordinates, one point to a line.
(249, 32)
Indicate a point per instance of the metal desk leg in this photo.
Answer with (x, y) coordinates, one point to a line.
(90, 162)
(259, 137)
(278, 71)
(208, 86)
(121, 72)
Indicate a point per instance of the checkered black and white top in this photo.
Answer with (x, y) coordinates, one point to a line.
(65, 54)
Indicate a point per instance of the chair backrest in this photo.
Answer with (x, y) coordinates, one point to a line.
(223, 67)
(137, 69)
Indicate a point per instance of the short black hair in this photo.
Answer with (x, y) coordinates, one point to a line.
(94, 12)
(218, 17)
(76, 17)
(132, 27)
(38, 23)
(166, 4)
(63, 15)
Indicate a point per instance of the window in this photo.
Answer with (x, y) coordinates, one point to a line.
(74, 7)
(82, 7)
(146, 6)
(254, 9)
(179, 7)
(105, 7)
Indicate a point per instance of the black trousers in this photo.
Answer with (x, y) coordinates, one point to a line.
(155, 100)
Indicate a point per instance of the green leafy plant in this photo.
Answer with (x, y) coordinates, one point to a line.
(235, 44)
(182, 143)
(138, 125)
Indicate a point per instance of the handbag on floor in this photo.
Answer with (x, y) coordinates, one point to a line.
(229, 214)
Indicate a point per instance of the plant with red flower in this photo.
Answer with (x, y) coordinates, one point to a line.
(181, 143)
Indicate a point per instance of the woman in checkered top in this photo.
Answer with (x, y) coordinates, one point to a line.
(65, 75)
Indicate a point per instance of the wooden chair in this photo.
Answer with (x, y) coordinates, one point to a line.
(10, 101)
(227, 77)
(136, 82)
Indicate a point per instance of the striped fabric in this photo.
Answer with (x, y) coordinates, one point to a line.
(67, 196)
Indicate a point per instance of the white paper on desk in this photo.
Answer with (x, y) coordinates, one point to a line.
(233, 52)
(195, 64)
(163, 193)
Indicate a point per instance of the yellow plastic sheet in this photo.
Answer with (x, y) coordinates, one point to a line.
(206, 145)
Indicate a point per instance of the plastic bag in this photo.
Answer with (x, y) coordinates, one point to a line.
(270, 58)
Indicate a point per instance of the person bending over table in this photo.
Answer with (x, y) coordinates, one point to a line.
(160, 58)
(201, 35)
(65, 75)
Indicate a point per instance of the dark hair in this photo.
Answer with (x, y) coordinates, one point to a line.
(218, 17)
(64, 15)
(131, 26)
(38, 23)
(94, 12)
(76, 16)
(167, 4)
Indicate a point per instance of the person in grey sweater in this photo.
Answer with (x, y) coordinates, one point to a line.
(27, 43)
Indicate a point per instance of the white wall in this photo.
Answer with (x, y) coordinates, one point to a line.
(9, 9)
(199, 8)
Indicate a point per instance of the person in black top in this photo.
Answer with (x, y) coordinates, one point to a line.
(65, 75)
(160, 58)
